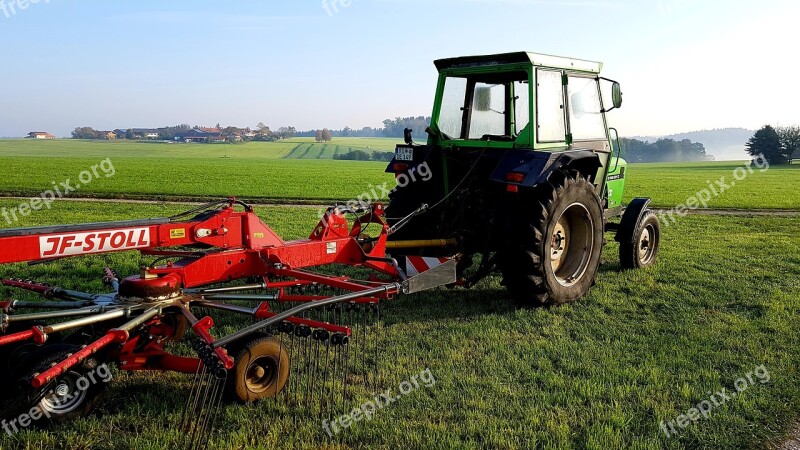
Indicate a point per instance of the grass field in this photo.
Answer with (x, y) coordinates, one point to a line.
(259, 171)
(601, 373)
(294, 148)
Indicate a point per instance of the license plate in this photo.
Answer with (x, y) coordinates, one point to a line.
(404, 154)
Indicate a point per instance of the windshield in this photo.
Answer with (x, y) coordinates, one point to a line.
(485, 106)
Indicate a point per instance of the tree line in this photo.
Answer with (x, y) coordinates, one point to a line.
(662, 150)
(231, 133)
(392, 128)
(778, 145)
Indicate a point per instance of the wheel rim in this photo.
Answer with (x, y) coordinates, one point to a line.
(571, 244)
(646, 247)
(65, 397)
(261, 374)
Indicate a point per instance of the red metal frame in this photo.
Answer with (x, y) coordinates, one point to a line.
(238, 245)
(246, 247)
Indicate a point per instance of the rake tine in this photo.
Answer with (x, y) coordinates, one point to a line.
(211, 409)
(315, 343)
(309, 377)
(344, 382)
(197, 429)
(304, 333)
(363, 346)
(356, 331)
(325, 386)
(299, 365)
(377, 341)
(200, 424)
(289, 383)
(197, 391)
(185, 416)
(280, 352)
(336, 365)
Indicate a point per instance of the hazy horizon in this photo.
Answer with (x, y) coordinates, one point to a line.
(684, 65)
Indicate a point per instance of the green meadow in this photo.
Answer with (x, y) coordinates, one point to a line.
(300, 169)
(602, 373)
(643, 347)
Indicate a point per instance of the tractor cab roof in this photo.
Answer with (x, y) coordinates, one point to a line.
(535, 59)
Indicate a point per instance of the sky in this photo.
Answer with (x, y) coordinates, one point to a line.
(683, 64)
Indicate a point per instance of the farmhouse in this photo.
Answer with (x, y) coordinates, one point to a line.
(106, 135)
(135, 133)
(144, 133)
(40, 135)
(203, 135)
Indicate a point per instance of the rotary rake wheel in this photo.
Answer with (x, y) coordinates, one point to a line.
(309, 340)
(307, 361)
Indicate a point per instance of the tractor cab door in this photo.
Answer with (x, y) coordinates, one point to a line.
(587, 122)
(569, 116)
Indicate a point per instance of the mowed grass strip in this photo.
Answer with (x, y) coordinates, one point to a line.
(644, 346)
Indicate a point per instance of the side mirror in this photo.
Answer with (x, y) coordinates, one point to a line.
(407, 133)
(616, 95)
(483, 99)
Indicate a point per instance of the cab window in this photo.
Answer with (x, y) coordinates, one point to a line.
(485, 106)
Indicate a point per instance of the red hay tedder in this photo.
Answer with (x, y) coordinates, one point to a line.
(211, 258)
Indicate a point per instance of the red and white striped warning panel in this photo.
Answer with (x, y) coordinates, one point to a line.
(415, 265)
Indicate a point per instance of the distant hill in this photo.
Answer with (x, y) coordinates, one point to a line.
(725, 144)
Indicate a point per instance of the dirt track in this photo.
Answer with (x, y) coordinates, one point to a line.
(316, 204)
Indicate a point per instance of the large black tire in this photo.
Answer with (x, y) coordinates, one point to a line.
(15, 356)
(642, 251)
(72, 395)
(556, 238)
(261, 369)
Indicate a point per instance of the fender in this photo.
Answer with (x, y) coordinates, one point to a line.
(633, 213)
(538, 166)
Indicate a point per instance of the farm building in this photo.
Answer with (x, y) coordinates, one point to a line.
(202, 135)
(106, 135)
(145, 133)
(40, 135)
(136, 133)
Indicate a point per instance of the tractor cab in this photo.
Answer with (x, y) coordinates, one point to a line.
(522, 101)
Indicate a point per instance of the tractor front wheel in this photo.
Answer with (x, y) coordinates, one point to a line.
(555, 247)
(642, 251)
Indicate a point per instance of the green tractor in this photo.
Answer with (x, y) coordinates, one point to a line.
(520, 169)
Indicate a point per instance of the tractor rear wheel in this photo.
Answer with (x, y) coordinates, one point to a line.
(260, 370)
(642, 251)
(554, 251)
